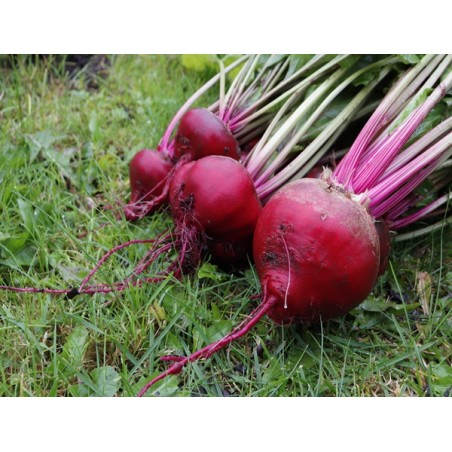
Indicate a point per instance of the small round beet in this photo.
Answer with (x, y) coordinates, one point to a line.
(201, 133)
(148, 171)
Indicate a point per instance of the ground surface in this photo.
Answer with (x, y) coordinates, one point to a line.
(65, 144)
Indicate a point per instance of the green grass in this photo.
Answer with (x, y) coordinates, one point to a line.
(64, 148)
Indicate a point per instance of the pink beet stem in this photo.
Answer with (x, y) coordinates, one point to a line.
(402, 207)
(416, 170)
(416, 148)
(173, 358)
(380, 207)
(405, 97)
(367, 174)
(382, 116)
(240, 330)
(240, 82)
(421, 213)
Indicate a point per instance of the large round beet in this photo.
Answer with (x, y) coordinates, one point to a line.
(316, 250)
(201, 133)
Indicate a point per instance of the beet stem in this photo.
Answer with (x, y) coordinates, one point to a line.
(419, 146)
(407, 99)
(237, 98)
(421, 213)
(173, 358)
(256, 168)
(311, 154)
(244, 116)
(367, 174)
(379, 119)
(232, 89)
(439, 225)
(300, 163)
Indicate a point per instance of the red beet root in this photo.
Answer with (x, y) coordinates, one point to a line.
(148, 169)
(215, 209)
(148, 172)
(201, 133)
(316, 250)
(216, 196)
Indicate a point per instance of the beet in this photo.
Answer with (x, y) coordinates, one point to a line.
(316, 250)
(201, 133)
(149, 171)
(215, 196)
